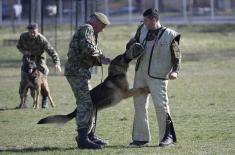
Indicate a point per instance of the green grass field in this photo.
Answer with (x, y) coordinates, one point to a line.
(202, 100)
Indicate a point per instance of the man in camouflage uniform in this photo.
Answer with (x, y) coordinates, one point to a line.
(83, 54)
(33, 44)
(159, 63)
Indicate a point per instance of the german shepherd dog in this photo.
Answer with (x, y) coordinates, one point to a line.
(110, 92)
(36, 81)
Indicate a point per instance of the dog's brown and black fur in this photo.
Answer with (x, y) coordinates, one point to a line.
(108, 93)
(36, 81)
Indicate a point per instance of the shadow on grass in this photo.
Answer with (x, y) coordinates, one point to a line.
(14, 108)
(5, 109)
(43, 149)
(33, 149)
(128, 147)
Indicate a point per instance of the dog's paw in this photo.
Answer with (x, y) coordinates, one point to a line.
(35, 106)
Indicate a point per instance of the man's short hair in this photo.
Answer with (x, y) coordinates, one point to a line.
(32, 26)
(151, 13)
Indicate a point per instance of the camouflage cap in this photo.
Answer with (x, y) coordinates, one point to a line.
(32, 26)
(102, 17)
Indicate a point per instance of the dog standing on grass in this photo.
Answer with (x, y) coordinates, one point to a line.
(114, 88)
(36, 81)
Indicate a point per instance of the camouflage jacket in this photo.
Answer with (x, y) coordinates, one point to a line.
(83, 52)
(37, 47)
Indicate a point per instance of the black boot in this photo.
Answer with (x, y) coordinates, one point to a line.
(167, 141)
(84, 142)
(44, 102)
(96, 140)
(169, 137)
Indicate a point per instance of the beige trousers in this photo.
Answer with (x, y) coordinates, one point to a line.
(158, 91)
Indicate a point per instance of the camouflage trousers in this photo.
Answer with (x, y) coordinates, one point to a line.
(85, 117)
(23, 83)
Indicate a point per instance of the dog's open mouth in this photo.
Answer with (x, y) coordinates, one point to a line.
(30, 71)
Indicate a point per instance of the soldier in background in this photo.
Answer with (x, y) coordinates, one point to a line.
(83, 54)
(33, 44)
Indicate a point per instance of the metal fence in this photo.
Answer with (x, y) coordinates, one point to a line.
(19, 12)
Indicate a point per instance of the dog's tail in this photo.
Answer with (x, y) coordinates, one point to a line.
(58, 119)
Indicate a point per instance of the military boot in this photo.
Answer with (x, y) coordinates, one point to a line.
(84, 142)
(44, 102)
(96, 140)
(166, 141)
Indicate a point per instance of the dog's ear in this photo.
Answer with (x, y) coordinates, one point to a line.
(135, 51)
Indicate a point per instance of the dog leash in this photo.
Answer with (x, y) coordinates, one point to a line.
(96, 109)
(102, 73)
